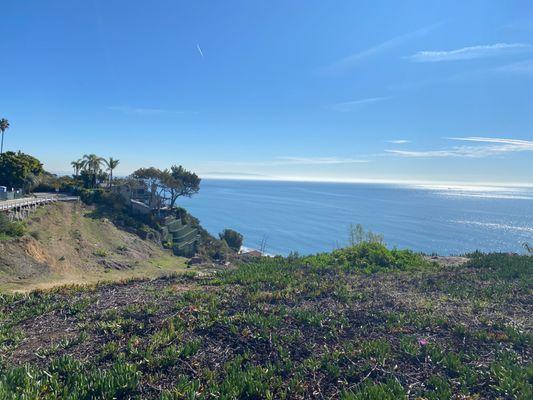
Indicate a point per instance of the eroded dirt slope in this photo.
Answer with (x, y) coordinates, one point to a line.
(66, 243)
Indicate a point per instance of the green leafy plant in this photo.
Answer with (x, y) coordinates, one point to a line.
(100, 253)
(10, 229)
(232, 238)
(19, 170)
(358, 235)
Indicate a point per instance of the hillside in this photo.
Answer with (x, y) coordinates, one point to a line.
(70, 243)
(358, 323)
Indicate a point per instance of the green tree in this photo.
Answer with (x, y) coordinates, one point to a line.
(93, 165)
(77, 166)
(232, 238)
(189, 181)
(169, 184)
(111, 165)
(151, 178)
(358, 235)
(4, 125)
(19, 170)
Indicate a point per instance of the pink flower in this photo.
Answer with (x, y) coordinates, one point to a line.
(422, 342)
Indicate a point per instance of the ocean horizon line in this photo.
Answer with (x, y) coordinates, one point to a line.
(434, 183)
(420, 183)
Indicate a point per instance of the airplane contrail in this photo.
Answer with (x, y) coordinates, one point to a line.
(200, 50)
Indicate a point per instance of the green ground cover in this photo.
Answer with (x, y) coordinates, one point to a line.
(357, 323)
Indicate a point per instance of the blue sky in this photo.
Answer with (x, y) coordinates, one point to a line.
(340, 90)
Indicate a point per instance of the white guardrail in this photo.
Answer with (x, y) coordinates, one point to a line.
(7, 205)
(24, 202)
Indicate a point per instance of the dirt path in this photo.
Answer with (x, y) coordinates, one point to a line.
(448, 261)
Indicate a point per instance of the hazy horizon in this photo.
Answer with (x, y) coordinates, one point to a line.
(254, 177)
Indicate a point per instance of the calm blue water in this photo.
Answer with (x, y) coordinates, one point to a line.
(314, 217)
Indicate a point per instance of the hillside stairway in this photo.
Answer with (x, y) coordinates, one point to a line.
(182, 236)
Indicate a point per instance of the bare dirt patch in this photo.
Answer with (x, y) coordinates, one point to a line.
(67, 244)
(448, 261)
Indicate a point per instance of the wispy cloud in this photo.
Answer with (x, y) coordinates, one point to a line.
(348, 106)
(525, 144)
(488, 147)
(320, 160)
(229, 174)
(520, 24)
(522, 67)
(399, 141)
(145, 111)
(352, 60)
(200, 50)
(464, 151)
(470, 53)
(293, 160)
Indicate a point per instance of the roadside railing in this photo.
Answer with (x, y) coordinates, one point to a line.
(24, 202)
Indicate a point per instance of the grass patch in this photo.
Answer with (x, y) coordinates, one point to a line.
(10, 229)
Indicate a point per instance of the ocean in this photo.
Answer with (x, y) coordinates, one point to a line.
(312, 217)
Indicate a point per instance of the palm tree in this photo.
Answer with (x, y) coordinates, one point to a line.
(4, 125)
(77, 165)
(92, 164)
(111, 165)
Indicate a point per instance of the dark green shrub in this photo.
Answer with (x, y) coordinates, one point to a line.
(10, 229)
(504, 265)
(232, 238)
(370, 257)
(19, 170)
(91, 196)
